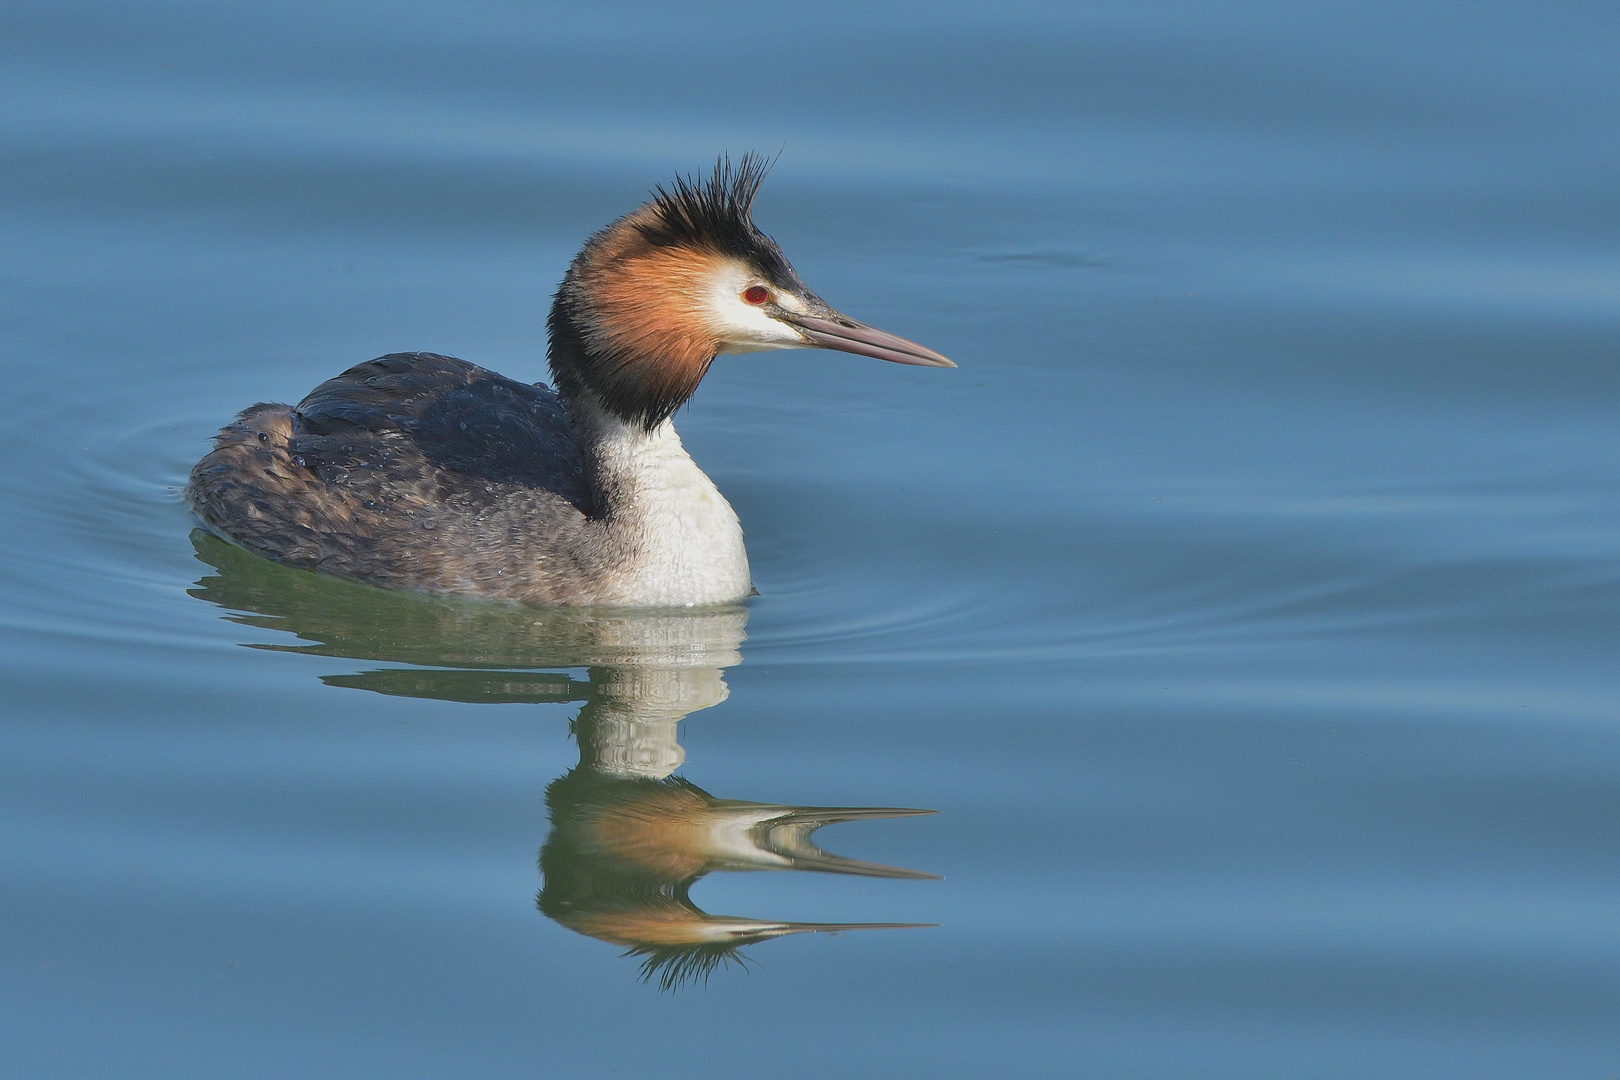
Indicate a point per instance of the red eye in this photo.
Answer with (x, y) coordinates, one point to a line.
(756, 294)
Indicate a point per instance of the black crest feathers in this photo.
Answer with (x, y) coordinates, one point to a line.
(714, 213)
(676, 966)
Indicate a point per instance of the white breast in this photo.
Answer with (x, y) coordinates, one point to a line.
(682, 542)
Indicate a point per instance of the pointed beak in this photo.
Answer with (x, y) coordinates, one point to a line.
(835, 815)
(788, 837)
(783, 929)
(846, 335)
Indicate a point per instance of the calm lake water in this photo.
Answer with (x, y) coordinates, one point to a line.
(1247, 603)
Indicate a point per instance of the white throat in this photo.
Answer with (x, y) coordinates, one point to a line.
(678, 540)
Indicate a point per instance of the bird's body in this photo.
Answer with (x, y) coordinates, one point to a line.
(417, 471)
(424, 472)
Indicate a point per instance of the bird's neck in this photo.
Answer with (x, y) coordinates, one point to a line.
(676, 540)
(671, 537)
(640, 378)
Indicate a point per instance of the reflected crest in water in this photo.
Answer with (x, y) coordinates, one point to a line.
(629, 839)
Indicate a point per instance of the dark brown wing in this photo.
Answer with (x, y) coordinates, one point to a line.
(411, 471)
(471, 427)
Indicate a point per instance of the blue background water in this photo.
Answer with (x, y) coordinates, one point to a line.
(1247, 601)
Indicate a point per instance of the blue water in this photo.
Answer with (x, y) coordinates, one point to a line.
(1247, 602)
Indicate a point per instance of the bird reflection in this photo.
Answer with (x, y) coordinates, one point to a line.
(629, 838)
(624, 853)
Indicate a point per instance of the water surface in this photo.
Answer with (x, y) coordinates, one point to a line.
(1246, 603)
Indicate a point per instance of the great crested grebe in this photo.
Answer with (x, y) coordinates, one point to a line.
(624, 853)
(424, 472)
(629, 838)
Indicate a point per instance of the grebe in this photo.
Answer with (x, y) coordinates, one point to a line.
(624, 854)
(424, 472)
(629, 838)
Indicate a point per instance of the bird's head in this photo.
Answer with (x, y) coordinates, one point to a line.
(656, 296)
